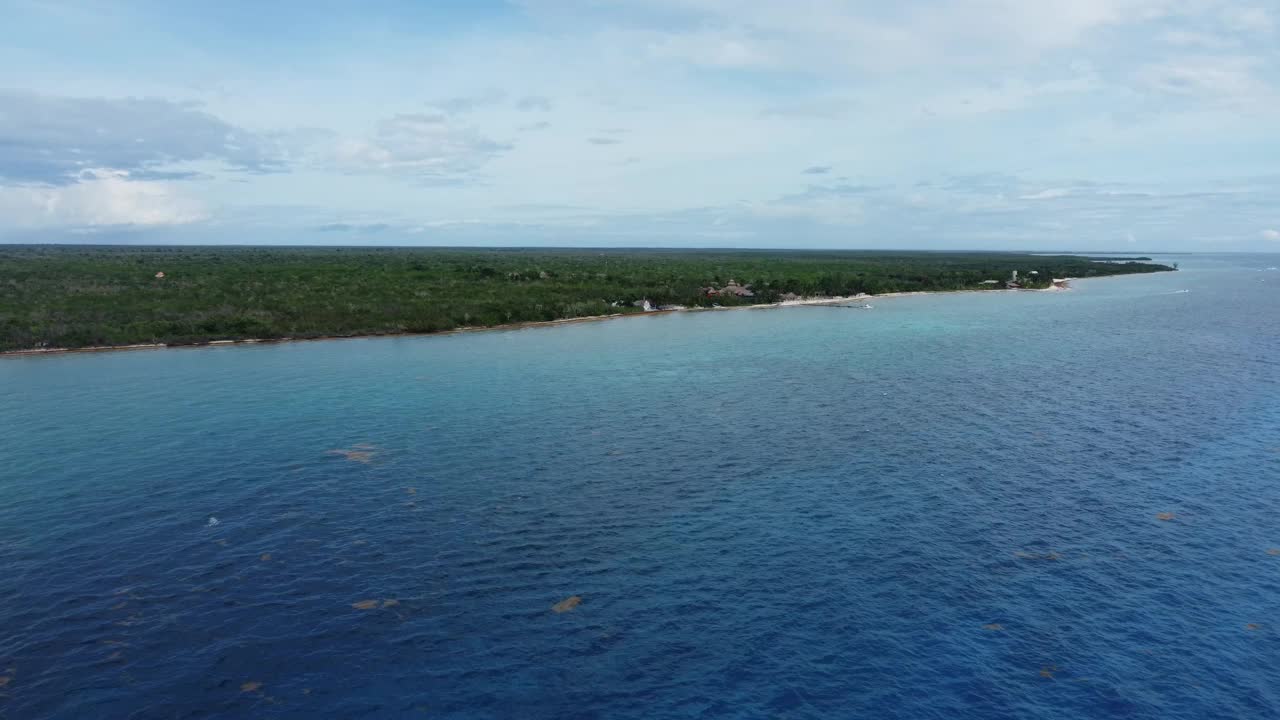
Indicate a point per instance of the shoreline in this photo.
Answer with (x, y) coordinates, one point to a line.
(1058, 285)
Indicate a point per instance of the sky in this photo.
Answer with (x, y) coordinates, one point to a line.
(942, 124)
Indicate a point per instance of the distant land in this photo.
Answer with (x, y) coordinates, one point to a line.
(68, 297)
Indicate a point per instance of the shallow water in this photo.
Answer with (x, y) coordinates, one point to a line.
(947, 506)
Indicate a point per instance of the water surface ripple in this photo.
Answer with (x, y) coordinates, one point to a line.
(945, 507)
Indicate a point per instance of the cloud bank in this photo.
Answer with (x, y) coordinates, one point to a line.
(846, 123)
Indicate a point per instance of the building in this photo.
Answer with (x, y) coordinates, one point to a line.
(733, 288)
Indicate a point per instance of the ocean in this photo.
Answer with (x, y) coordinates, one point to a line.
(979, 505)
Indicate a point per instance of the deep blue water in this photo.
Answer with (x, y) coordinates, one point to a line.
(799, 513)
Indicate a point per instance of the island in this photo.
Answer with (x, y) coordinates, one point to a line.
(70, 297)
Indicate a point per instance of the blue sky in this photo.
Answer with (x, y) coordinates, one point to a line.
(1092, 125)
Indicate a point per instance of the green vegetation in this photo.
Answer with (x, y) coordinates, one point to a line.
(53, 296)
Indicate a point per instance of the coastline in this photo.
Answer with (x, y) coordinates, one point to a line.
(1058, 285)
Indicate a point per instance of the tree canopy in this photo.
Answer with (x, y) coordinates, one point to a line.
(79, 296)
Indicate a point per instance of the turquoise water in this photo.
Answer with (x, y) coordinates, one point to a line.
(944, 507)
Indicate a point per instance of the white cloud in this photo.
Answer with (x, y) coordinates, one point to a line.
(54, 139)
(101, 199)
(1047, 194)
(534, 103)
(1009, 94)
(427, 146)
(1193, 38)
(1270, 234)
(711, 49)
(832, 35)
(1227, 77)
(724, 101)
(1249, 19)
(469, 103)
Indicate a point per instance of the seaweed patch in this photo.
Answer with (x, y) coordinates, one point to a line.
(354, 455)
(1051, 555)
(374, 604)
(567, 604)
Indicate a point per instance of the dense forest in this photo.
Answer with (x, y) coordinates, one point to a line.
(77, 296)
